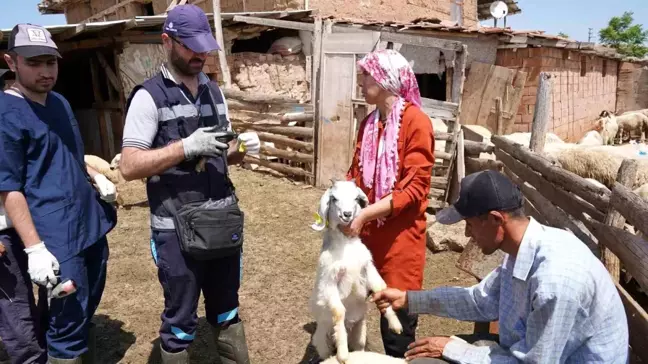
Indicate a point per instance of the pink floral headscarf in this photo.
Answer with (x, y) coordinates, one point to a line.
(393, 73)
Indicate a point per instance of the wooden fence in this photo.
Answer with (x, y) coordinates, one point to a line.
(597, 216)
(285, 128)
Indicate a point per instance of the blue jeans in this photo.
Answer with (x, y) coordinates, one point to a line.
(69, 317)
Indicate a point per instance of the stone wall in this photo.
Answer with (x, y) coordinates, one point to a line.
(584, 85)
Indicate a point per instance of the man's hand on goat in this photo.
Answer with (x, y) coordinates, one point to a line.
(355, 227)
(430, 347)
(106, 188)
(393, 297)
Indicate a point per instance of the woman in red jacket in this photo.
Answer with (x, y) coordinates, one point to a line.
(393, 165)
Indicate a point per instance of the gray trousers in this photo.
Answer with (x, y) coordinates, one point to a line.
(475, 339)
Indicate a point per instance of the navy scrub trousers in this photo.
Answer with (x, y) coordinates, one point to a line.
(21, 325)
(182, 279)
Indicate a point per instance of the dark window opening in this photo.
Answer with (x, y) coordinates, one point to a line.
(604, 71)
(583, 66)
(432, 86)
(148, 9)
(263, 42)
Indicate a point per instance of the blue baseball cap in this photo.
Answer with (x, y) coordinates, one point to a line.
(481, 193)
(189, 24)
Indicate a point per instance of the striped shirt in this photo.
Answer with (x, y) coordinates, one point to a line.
(555, 303)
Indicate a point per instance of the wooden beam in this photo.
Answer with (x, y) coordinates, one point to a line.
(626, 176)
(551, 213)
(287, 154)
(298, 116)
(461, 161)
(475, 148)
(421, 41)
(553, 193)
(275, 23)
(258, 98)
(542, 113)
(597, 196)
(112, 76)
(290, 131)
(70, 33)
(637, 323)
(285, 141)
(630, 248)
(459, 75)
(222, 54)
(279, 167)
(631, 206)
(440, 135)
(94, 73)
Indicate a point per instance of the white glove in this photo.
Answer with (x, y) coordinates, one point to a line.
(106, 188)
(42, 265)
(249, 142)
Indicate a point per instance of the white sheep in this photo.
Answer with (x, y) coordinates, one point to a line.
(592, 137)
(366, 357)
(630, 122)
(345, 276)
(525, 138)
(607, 126)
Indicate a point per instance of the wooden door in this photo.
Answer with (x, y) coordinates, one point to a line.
(338, 118)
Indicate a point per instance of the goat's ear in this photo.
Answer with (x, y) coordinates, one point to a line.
(322, 220)
(363, 201)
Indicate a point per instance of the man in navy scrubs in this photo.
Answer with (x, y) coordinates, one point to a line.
(60, 218)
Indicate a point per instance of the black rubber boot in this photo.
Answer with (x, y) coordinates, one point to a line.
(231, 343)
(174, 358)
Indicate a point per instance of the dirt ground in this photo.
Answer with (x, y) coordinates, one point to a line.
(280, 256)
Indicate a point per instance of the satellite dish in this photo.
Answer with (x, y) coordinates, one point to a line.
(498, 9)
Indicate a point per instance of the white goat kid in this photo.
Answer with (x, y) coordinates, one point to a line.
(345, 276)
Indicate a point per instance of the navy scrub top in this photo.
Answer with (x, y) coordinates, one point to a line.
(41, 154)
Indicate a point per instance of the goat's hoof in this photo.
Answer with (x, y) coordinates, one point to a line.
(396, 327)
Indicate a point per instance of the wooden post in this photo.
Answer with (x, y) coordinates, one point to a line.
(500, 117)
(541, 115)
(222, 56)
(626, 176)
(461, 161)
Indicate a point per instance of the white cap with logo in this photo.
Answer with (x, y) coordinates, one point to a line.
(30, 40)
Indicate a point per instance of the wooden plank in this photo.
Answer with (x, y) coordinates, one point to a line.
(461, 161)
(439, 154)
(439, 135)
(625, 176)
(553, 215)
(451, 107)
(259, 98)
(542, 113)
(71, 33)
(297, 116)
(438, 114)
(222, 53)
(290, 131)
(459, 75)
(500, 117)
(597, 196)
(102, 14)
(476, 164)
(512, 101)
(435, 193)
(555, 194)
(475, 148)
(439, 182)
(282, 168)
(420, 41)
(631, 206)
(630, 248)
(637, 323)
(275, 23)
(354, 43)
(476, 83)
(111, 75)
(498, 83)
(285, 141)
(287, 154)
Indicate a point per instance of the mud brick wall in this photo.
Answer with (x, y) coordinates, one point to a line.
(394, 10)
(268, 74)
(584, 85)
(632, 92)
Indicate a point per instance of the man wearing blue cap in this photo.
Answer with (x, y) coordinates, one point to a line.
(554, 300)
(176, 121)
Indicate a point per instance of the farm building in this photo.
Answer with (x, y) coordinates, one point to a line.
(466, 12)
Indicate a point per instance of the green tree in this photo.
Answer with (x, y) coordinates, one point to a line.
(626, 38)
(563, 35)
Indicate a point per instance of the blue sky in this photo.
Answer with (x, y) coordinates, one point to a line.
(573, 17)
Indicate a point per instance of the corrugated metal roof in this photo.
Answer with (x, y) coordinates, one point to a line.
(144, 22)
